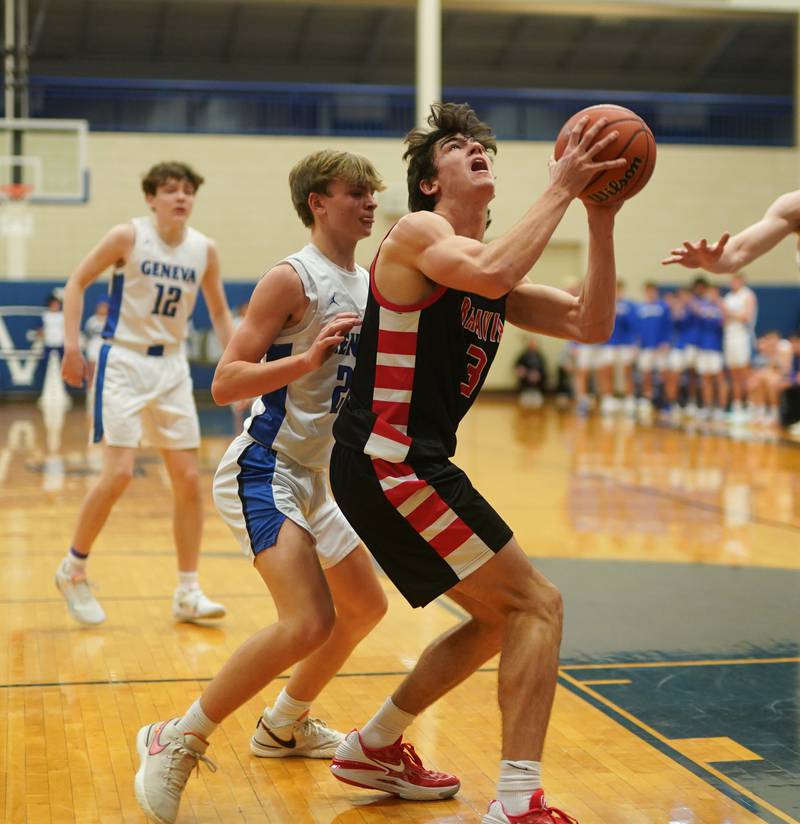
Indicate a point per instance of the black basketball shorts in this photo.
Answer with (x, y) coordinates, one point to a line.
(426, 525)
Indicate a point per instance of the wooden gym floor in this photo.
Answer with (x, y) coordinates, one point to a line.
(678, 555)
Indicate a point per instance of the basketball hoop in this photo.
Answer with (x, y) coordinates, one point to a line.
(16, 226)
(15, 191)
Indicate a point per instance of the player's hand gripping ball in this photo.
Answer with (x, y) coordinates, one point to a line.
(635, 143)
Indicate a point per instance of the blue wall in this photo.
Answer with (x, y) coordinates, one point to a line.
(224, 107)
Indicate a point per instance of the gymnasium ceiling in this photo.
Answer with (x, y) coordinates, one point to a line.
(498, 44)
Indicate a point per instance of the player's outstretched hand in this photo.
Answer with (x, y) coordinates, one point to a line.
(697, 255)
(330, 336)
(577, 166)
(74, 369)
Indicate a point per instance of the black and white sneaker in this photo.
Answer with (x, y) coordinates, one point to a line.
(305, 738)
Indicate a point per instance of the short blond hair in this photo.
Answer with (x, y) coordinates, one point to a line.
(317, 171)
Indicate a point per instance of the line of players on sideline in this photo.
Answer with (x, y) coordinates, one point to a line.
(686, 353)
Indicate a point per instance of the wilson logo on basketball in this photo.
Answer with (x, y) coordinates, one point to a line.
(614, 187)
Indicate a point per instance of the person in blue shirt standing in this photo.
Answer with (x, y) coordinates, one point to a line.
(619, 351)
(653, 325)
(711, 316)
(680, 319)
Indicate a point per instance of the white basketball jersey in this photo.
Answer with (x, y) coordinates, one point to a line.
(736, 302)
(152, 296)
(297, 420)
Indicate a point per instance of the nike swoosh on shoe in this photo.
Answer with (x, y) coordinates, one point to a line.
(155, 745)
(289, 743)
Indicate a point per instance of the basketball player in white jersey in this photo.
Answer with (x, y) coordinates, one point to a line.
(741, 307)
(142, 385)
(295, 352)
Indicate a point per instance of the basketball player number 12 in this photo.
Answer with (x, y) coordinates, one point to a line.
(166, 301)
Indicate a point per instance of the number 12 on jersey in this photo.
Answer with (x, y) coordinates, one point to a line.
(166, 300)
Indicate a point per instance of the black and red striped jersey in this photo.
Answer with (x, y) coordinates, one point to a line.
(418, 370)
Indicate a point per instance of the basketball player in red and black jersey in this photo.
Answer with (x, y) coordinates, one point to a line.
(438, 301)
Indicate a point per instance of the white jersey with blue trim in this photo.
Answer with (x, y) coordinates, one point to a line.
(297, 420)
(152, 296)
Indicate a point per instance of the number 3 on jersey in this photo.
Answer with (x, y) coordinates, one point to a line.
(475, 367)
(166, 301)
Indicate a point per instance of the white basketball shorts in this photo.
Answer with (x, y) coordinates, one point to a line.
(709, 362)
(737, 348)
(256, 489)
(586, 355)
(144, 399)
(676, 360)
(617, 355)
(650, 359)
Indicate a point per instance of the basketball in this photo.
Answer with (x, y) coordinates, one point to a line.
(635, 143)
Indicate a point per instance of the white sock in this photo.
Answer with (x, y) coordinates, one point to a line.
(386, 726)
(197, 722)
(287, 710)
(76, 562)
(518, 781)
(188, 580)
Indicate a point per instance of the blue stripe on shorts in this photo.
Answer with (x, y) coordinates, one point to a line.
(98, 392)
(262, 517)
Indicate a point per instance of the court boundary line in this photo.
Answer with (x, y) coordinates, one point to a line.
(108, 682)
(726, 785)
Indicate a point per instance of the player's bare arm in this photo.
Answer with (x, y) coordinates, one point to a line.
(587, 317)
(278, 302)
(430, 245)
(729, 254)
(213, 292)
(112, 250)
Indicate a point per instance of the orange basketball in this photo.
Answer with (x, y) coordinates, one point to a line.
(635, 143)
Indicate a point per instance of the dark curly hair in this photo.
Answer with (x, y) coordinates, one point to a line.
(445, 119)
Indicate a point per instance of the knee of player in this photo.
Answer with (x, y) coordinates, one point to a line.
(540, 599)
(313, 629)
(118, 478)
(187, 479)
(363, 615)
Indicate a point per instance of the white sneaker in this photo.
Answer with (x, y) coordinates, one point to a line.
(609, 405)
(306, 738)
(78, 594)
(193, 605)
(166, 757)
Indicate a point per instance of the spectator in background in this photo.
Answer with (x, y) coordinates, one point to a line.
(741, 308)
(619, 352)
(790, 399)
(653, 327)
(52, 329)
(93, 330)
(694, 325)
(771, 377)
(531, 372)
(713, 384)
(677, 357)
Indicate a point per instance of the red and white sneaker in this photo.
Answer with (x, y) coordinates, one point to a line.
(396, 769)
(537, 813)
